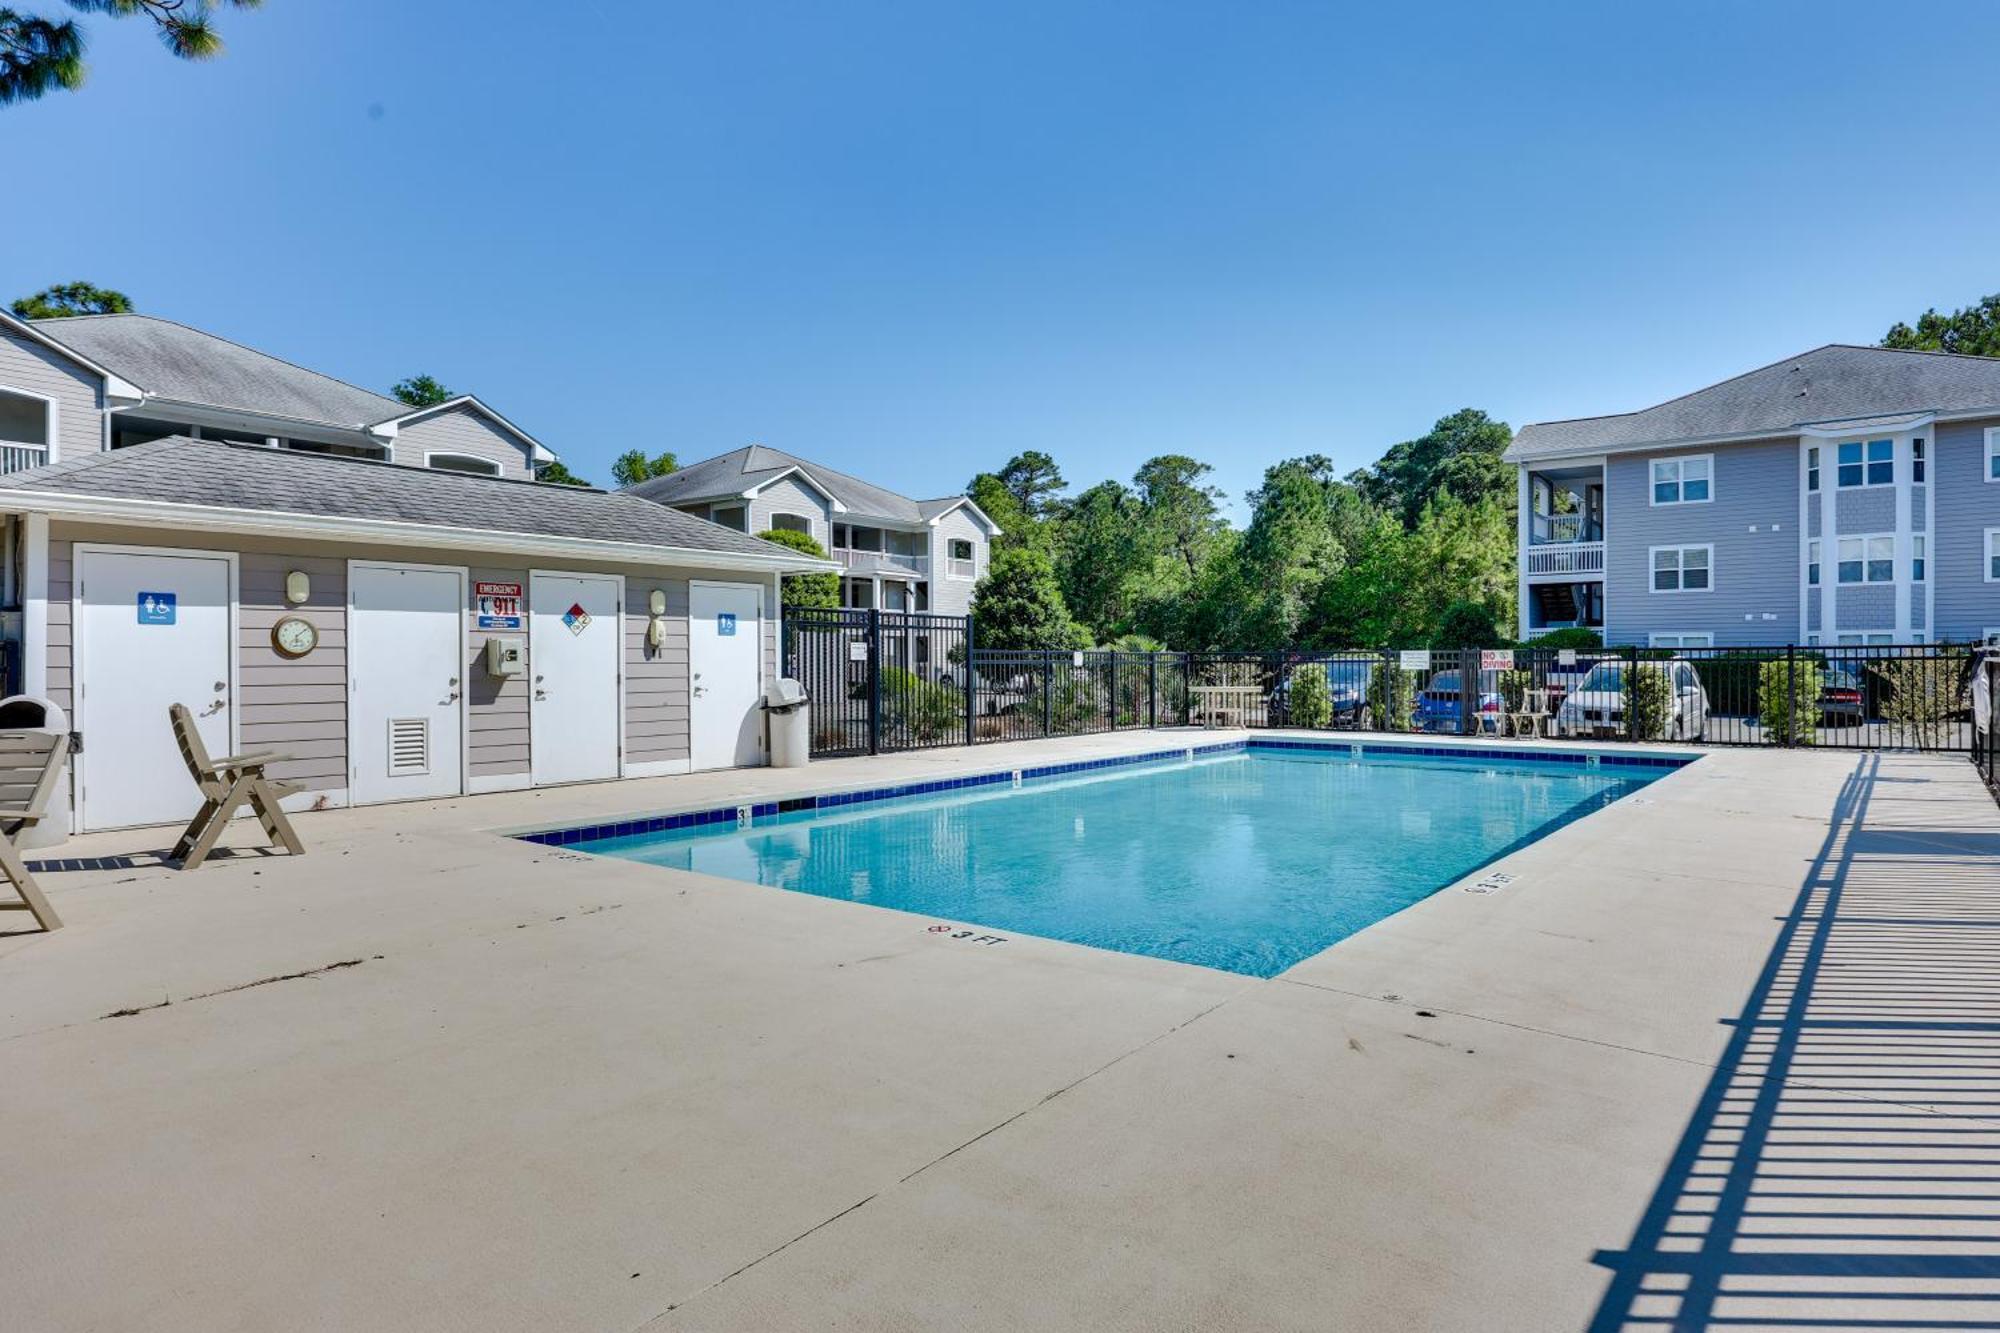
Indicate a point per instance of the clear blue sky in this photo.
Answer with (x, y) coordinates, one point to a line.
(910, 240)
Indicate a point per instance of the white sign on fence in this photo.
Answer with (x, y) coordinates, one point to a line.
(857, 651)
(1414, 659)
(1565, 657)
(1496, 659)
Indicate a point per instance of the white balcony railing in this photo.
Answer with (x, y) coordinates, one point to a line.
(1566, 559)
(16, 457)
(881, 562)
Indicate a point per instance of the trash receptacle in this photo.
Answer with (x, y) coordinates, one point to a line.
(786, 705)
(34, 715)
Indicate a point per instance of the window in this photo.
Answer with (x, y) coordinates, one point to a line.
(1812, 468)
(1993, 453)
(484, 467)
(1681, 481)
(1919, 546)
(1812, 562)
(1868, 559)
(963, 562)
(791, 523)
(730, 516)
(1917, 460)
(1873, 638)
(1681, 639)
(27, 422)
(1993, 555)
(1869, 464)
(1683, 568)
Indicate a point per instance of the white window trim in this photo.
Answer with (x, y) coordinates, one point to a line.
(952, 562)
(1652, 495)
(432, 454)
(1681, 637)
(1916, 539)
(1986, 554)
(771, 523)
(1864, 538)
(51, 423)
(1888, 637)
(1992, 450)
(1653, 551)
(1865, 485)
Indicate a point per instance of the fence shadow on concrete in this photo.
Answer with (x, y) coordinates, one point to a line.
(1842, 1168)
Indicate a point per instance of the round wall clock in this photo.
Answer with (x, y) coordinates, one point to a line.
(294, 637)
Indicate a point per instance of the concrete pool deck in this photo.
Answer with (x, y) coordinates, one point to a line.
(491, 1085)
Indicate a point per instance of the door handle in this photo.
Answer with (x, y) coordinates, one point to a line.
(214, 708)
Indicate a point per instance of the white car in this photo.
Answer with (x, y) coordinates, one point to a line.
(1596, 707)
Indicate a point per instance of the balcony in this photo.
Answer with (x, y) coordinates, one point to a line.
(1566, 560)
(882, 562)
(18, 457)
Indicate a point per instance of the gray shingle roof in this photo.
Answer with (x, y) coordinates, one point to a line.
(738, 470)
(187, 365)
(179, 470)
(1835, 383)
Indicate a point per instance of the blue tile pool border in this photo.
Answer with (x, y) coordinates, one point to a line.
(733, 814)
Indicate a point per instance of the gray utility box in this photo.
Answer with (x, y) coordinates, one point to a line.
(31, 714)
(790, 715)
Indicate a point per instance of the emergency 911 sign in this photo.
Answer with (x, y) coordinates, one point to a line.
(498, 605)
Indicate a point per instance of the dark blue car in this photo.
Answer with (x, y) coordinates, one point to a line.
(1438, 704)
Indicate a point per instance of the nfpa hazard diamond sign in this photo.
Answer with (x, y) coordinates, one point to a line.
(576, 618)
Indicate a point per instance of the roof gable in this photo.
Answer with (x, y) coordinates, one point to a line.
(1835, 383)
(754, 466)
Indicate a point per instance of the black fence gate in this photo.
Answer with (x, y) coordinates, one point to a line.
(880, 681)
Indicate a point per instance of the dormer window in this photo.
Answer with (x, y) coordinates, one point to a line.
(27, 422)
(481, 467)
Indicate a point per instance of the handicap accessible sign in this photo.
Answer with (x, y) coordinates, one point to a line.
(725, 623)
(156, 608)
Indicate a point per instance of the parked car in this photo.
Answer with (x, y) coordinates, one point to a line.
(1841, 696)
(1438, 702)
(1347, 681)
(1596, 707)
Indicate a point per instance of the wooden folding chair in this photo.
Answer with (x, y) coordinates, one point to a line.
(228, 784)
(29, 765)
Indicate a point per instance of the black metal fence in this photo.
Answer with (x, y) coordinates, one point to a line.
(883, 681)
(1986, 719)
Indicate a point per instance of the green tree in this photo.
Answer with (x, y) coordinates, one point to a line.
(422, 391)
(1035, 482)
(1972, 331)
(1019, 604)
(556, 474)
(1459, 456)
(632, 467)
(1177, 508)
(818, 591)
(1289, 550)
(1017, 528)
(1097, 557)
(39, 55)
(69, 298)
(1466, 624)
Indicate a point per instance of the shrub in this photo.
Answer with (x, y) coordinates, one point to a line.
(814, 590)
(1392, 697)
(1514, 687)
(1468, 625)
(1649, 701)
(1309, 699)
(1922, 694)
(1569, 638)
(1789, 707)
(928, 712)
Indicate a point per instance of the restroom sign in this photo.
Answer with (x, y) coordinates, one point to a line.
(725, 624)
(156, 608)
(576, 618)
(498, 605)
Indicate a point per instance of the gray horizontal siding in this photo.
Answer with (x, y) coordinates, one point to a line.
(1756, 574)
(27, 365)
(496, 714)
(462, 431)
(791, 496)
(1965, 506)
(656, 680)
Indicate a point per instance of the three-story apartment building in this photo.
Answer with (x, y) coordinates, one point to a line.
(1850, 495)
(897, 554)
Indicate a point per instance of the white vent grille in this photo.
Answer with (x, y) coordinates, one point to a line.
(409, 746)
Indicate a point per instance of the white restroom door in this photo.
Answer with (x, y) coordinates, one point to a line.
(725, 674)
(575, 652)
(153, 628)
(406, 660)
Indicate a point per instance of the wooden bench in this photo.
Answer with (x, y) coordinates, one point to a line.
(228, 784)
(1226, 705)
(29, 765)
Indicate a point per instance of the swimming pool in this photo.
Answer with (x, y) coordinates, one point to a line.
(1241, 857)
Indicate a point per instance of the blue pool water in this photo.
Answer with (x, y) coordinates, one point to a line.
(1246, 862)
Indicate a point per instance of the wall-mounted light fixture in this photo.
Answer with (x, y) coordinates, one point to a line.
(297, 587)
(656, 624)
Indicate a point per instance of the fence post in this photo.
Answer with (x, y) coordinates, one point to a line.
(1152, 691)
(1792, 694)
(1468, 690)
(971, 688)
(1631, 692)
(1048, 693)
(874, 681)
